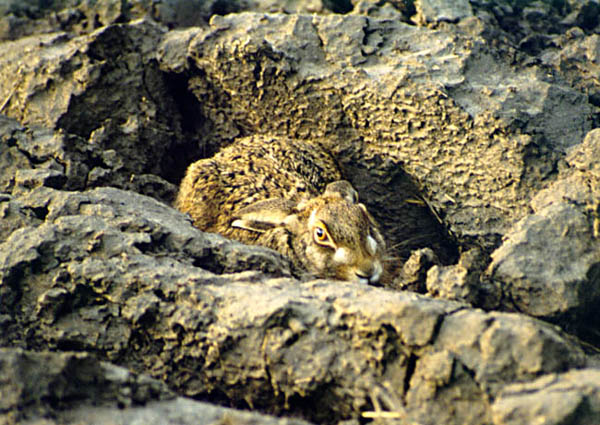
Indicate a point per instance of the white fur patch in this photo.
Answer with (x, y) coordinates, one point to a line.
(238, 223)
(376, 273)
(246, 225)
(341, 256)
(371, 245)
(312, 220)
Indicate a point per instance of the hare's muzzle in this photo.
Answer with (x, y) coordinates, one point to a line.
(371, 274)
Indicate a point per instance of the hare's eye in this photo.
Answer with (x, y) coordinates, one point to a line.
(320, 234)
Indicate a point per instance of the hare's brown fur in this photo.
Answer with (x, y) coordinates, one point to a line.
(273, 192)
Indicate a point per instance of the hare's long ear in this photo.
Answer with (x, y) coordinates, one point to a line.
(264, 215)
(344, 189)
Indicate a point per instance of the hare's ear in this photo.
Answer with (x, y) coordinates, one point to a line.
(344, 189)
(264, 215)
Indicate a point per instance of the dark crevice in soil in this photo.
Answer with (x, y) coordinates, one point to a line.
(339, 6)
(318, 407)
(209, 262)
(177, 159)
(40, 212)
(224, 7)
(411, 365)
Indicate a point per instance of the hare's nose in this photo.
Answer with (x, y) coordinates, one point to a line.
(371, 274)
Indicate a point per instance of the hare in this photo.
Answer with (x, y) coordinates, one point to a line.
(286, 195)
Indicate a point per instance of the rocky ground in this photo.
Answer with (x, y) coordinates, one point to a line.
(470, 129)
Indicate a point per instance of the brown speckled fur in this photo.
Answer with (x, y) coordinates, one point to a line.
(262, 180)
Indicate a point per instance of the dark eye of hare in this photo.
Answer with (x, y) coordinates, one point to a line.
(321, 235)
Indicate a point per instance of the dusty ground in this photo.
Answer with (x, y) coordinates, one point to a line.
(469, 129)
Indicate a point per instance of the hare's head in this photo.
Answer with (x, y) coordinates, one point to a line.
(331, 235)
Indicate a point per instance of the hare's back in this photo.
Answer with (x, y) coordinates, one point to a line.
(249, 170)
(287, 164)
